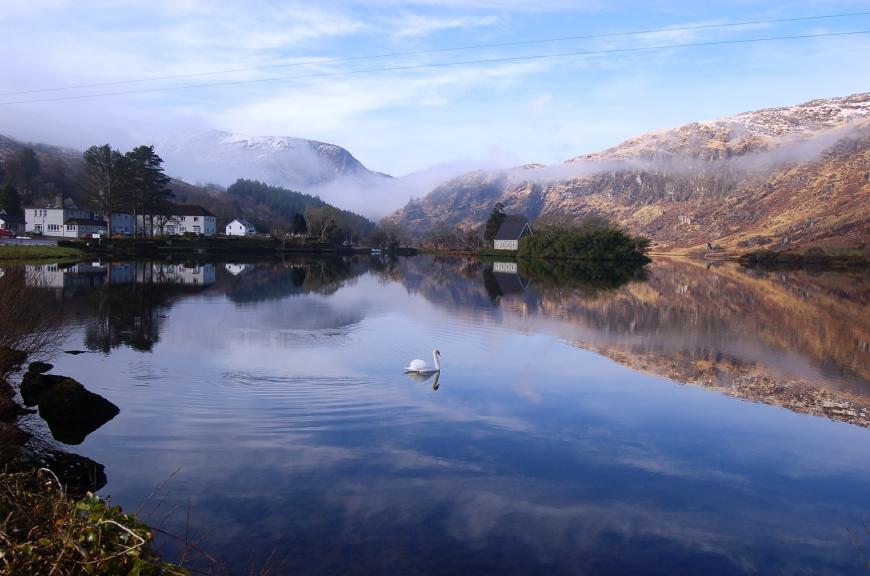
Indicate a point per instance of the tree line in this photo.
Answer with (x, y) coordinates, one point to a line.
(133, 183)
(111, 182)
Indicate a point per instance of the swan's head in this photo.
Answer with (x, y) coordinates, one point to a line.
(437, 353)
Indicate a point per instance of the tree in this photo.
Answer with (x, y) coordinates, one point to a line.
(322, 222)
(104, 184)
(10, 201)
(22, 172)
(300, 226)
(496, 217)
(147, 188)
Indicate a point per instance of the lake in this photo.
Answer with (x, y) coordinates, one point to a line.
(687, 418)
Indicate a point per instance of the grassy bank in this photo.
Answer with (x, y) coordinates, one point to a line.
(36, 253)
(43, 531)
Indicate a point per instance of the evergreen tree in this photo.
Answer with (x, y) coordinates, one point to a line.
(496, 217)
(300, 226)
(10, 201)
(22, 172)
(147, 188)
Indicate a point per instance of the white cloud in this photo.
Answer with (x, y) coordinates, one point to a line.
(422, 25)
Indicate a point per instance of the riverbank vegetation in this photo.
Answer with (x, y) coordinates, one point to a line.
(812, 258)
(20, 253)
(585, 242)
(44, 531)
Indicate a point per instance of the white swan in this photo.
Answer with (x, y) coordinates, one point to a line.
(420, 367)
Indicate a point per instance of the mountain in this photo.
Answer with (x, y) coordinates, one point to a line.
(789, 177)
(220, 157)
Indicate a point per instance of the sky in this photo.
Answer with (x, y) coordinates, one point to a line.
(402, 121)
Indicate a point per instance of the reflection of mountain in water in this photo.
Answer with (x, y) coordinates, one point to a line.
(792, 339)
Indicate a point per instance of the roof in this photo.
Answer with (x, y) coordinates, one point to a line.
(85, 222)
(510, 283)
(243, 222)
(511, 230)
(186, 210)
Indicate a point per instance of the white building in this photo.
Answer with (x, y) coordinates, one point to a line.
(240, 227)
(181, 219)
(509, 235)
(63, 219)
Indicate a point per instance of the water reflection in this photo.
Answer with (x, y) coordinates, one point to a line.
(794, 339)
(420, 378)
(560, 443)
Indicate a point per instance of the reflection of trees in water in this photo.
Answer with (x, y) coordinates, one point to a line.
(295, 277)
(128, 309)
(28, 328)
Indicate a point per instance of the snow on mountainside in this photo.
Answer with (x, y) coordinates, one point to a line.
(778, 178)
(222, 157)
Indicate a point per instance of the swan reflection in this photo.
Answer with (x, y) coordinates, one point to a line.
(419, 378)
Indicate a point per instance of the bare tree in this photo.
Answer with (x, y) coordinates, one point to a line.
(30, 328)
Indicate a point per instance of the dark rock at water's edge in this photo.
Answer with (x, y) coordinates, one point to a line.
(40, 367)
(9, 408)
(72, 412)
(78, 474)
(34, 385)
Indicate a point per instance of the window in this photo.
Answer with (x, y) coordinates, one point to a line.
(196, 228)
(71, 227)
(196, 218)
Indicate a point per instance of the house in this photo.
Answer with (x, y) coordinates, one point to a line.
(509, 235)
(63, 219)
(12, 222)
(179, 219)
(240, 227)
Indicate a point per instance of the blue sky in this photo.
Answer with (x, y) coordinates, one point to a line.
(402, 121)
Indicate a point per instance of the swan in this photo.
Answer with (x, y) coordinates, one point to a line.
(420, 367)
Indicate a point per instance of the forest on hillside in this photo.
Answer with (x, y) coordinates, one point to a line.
(37, 174)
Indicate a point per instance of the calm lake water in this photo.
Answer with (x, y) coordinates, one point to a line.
(686, 419)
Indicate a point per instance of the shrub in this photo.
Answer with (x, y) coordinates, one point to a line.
(585, 243)
(42, 531)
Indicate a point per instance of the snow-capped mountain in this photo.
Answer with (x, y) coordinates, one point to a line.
(221, 157)
(776, 178)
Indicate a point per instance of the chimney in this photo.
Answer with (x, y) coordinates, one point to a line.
(58, 201)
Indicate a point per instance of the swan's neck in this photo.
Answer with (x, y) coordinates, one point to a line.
(437, 361)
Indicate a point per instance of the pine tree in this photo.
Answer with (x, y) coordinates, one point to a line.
(496, 217)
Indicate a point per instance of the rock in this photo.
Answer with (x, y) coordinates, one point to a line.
(34, 385)
(78, 474)
(72, 412)
(40, 367)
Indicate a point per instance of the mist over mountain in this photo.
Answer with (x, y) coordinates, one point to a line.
(779, 177)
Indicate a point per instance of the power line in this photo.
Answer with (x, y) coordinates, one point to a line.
(430, 51)
(438, 65)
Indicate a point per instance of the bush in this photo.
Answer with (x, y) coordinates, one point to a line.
(586, 243)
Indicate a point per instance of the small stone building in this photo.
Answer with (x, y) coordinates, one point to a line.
(509, 235)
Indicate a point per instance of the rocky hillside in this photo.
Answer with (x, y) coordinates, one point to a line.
(221, 158)
(780, 178)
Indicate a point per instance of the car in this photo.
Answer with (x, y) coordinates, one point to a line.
(4, 233)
